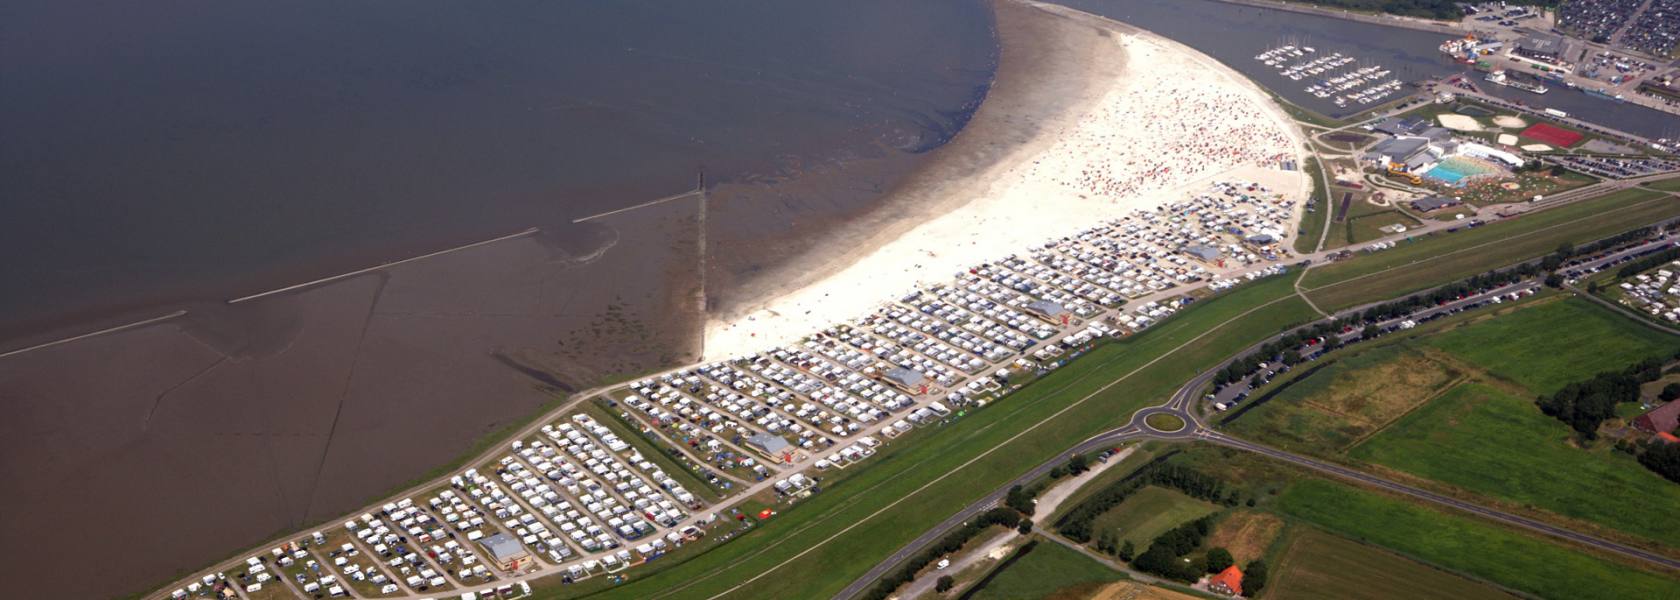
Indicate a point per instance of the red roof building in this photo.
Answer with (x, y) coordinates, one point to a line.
(1660, 419)
(1228, 582)
(1668, 437)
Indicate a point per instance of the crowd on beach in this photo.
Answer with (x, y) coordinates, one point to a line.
(1179, 125)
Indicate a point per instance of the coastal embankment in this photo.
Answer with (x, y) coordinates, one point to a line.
(1088, 119)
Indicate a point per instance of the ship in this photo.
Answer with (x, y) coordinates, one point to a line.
(1498, 77)
(1598, 93)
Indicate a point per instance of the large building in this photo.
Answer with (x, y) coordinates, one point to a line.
(1549, 48)
(1430, 203)
(1410, 151)
(771, 445)
(507, 552)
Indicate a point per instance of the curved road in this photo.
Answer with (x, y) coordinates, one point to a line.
(1182, 404)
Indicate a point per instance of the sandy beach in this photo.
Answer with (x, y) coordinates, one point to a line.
(1137, 120)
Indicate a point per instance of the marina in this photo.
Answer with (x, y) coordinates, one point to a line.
(1337, 77)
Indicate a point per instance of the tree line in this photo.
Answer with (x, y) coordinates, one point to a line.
(952, 542)
(1584, 405)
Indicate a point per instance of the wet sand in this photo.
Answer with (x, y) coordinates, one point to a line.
(201, 435)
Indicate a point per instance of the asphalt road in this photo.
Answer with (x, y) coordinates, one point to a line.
(1183, 404)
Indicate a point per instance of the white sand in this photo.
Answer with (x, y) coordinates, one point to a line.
(1507, 139)
(1155, 122)
(1459, 122)
(1509, 121)
(1537, 148)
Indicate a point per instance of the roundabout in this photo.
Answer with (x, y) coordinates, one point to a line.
(1164, 422)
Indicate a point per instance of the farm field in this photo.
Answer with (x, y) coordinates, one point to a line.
(1477, 548)
(838, 534)
(1148, 513)
(1447, 257)
(1331, 409)
(1492, 442)
(1320, 565)
(1044, 570)
(1246, 534)
(1554, 343)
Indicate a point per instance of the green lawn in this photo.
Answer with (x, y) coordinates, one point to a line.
(1447, 257)
(1367, 227)
(1490, 442)
(1555, 343)
(838, 534)
(1472, 546)
(1150, 512)
(1047, 568)
(1316, 565)
(1668, 185)
(1312, 222)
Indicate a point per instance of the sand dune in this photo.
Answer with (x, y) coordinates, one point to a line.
(1146, 120)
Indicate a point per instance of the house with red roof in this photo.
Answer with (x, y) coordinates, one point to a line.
(1228, 582)
(1660, 419)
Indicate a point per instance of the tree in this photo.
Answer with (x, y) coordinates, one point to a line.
(1670, 392)
(1370, 331)
(944, 584)
(1127, 551)
(1566, 249)
(1078, 464)
(1057, 472)
(1663, 459)
(1218, 559)
(1554, 280)
(1254, 577)
(1025, 527)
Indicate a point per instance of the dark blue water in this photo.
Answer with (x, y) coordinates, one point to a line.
(1234, 34)
(164, 149)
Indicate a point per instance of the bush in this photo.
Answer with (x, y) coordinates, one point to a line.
(944, 584)
(1663, 459)
(1218, 559)
(1254, 577)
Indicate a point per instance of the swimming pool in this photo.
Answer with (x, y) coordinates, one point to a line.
(1454, 169)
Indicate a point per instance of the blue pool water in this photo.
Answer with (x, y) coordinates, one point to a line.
(1453, 171)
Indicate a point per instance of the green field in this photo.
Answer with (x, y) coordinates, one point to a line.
(1165, 422)
(1312, 222)
(1482, 439)
(1368, 227)
(1150, 512)
(1047, 568)
(1555, 343)
(1667, 185)
(1465, 544)
(1447, 257)
(1320, 565)
(838, 534)
(1340, 403)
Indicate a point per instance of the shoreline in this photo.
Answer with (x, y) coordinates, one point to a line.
(1008, 181)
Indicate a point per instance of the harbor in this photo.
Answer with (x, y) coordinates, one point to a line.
(1337, 77)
